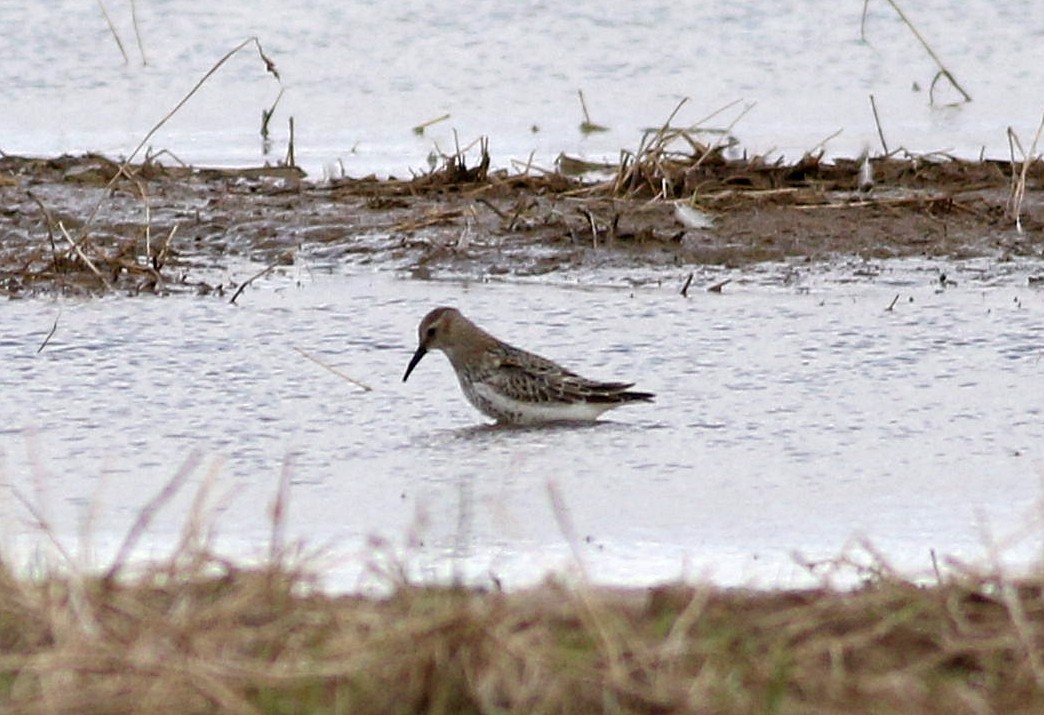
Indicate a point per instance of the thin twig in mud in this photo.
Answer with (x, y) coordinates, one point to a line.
(419, 129)
(83, 256)
(280, 259)
(594, 226)
(688, 282)
(943, 72)
(58, 266)
(50, 335)
(892, 304)
(148, 512)
(137, 31)
(160, 259)
(877, 123)
(1018, 188)
(112, 29)
(334, 370)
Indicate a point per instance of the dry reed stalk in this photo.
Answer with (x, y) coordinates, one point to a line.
(125, 165)
(280, 260)
(423, 126)
(877, 123)
(137, 31)
(587, 126)
(942, 71)
(50, 334)
(83, 256)
(1018, 185)
(112, 31)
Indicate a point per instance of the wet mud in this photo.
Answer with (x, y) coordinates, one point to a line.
(90, 225)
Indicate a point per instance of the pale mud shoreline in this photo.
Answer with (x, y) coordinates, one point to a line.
(77, 225)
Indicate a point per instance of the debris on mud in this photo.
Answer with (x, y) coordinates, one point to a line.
(92, 225)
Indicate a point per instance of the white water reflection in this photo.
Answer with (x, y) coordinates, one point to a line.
(359, 75)
(789, 417)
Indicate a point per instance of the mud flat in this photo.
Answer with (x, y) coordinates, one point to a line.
(89, 224)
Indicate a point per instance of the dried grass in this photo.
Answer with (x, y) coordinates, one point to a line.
(197, 633)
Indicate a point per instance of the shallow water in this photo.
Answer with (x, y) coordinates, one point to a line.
(794, 413)
(359, 75)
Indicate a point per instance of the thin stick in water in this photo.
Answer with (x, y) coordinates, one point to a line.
(263, 272)
(943, 71)
(112, 29)
(334, 370)
(688, 282)
(50, 335)
(137, 32)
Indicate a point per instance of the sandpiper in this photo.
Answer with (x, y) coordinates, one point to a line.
(512, 385)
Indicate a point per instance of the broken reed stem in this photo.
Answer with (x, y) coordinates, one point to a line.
(263, 272)
(269, 67)
(1018, 188)
(420, 128)
(50, 335)
(943, 71)
(266, 114)
(688, 282)
(291, 161)
(583, 106)
(137, 31)
(112, 29)
(877, 123)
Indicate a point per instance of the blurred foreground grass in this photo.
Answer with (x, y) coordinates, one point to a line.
(202, 635)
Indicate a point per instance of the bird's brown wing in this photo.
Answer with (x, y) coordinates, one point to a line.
(537, 379)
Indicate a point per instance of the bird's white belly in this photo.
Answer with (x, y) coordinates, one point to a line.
(507, 409)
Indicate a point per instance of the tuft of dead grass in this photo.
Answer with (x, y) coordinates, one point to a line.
(203, 635)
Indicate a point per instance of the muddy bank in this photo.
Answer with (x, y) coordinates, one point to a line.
(88, 225)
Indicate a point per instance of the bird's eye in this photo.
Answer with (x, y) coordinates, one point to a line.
(431, 332)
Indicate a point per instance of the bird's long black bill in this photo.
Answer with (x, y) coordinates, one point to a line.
(421, 352)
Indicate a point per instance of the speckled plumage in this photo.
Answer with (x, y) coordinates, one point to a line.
(510, 384)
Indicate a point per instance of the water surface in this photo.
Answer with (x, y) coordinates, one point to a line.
(794, 413)
(359, 75)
